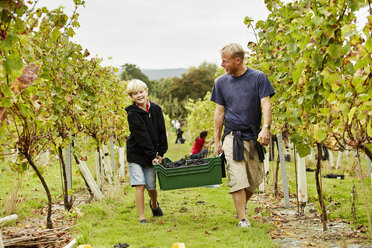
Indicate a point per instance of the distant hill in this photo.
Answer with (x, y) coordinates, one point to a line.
(156, 74)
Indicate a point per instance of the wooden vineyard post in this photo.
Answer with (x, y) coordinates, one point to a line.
(284, 171)
(14, 156)
(98, 170)
(347, 152)
(68, 171)
(364, 193)
(112, 153)
(121, 162)
(106, 169)
(302, 183)
(331, 159)
(312, 156)
(339, 159)
(107, 162)
(89, 178)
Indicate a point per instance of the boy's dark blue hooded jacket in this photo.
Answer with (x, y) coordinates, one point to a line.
(147, 137)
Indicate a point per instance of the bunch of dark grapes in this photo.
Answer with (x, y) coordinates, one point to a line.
(185, 163)
(120, 245)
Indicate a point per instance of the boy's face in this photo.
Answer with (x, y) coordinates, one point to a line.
(140, 97)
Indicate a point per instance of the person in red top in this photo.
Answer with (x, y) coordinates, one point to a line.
(197, 150)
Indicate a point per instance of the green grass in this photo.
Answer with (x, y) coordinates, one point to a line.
(198, 217)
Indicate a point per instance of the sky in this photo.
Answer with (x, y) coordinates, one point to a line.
(161, 34)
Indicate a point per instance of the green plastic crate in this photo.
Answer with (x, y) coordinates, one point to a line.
(191, 176)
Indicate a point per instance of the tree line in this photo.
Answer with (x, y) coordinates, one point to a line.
(174, 93)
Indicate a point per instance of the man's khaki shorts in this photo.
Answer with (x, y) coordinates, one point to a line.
(245, 174)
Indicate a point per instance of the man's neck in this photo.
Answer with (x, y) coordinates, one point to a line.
(240, 71)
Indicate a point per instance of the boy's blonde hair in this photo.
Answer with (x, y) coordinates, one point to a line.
(135, 85)
(235, 50)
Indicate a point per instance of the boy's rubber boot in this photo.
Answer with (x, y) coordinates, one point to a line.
(156, 212)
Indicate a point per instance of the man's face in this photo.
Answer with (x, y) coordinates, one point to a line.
(140, 97)
(230, 64)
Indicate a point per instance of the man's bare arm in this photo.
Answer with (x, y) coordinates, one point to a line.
(219, 117)
(266, 112)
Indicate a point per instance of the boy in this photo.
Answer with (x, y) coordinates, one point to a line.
(146, 145)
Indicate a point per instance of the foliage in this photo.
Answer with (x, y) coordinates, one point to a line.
(50, 91)
(320, 67)
(194, 84)
(201, 114)
(200, 78)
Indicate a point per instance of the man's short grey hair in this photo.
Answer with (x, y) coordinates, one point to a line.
(235, 50)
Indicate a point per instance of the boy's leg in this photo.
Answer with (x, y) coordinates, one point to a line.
(154, 198)
(140, 202)
(154, 205)
(150, 176)
(137, 179)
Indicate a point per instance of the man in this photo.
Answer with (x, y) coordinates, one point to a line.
(240, 94)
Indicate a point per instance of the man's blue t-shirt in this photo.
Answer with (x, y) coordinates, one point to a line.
(241, 96)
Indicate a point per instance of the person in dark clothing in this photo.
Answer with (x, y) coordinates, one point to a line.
(146, 145)
(240, 94)
(179, 139)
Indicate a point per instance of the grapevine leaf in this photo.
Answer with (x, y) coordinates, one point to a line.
(55, 34)
(24, 109)
(334, 51)
(303, 149)
(350, 115)
(248, 20)
(58, 141)
(369, 45)
(369, 130)
(5, 89)
(331, 78)
(12, 62)
(6, 102)
(292, 46)
(320, 135)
